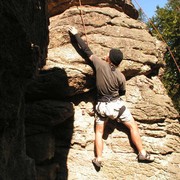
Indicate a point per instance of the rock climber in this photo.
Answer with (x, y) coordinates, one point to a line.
(111, 84)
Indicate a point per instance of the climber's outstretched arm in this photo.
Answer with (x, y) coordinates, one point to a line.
(81, 43)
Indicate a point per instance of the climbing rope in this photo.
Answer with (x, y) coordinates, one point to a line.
(160, 36)
(82, 19)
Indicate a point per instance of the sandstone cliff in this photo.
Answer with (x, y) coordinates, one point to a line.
(47, 92)
(63, 96)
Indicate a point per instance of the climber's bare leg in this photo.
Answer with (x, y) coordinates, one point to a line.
(99, 139)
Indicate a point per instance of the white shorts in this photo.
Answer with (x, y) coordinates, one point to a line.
(105, 110)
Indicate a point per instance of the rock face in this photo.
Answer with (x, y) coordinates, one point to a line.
(59, 6)
(61, 99)
(24, 39)
(46, 105)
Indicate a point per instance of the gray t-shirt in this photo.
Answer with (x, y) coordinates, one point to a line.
(109, 80)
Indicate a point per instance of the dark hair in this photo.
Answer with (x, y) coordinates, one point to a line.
(116, 56)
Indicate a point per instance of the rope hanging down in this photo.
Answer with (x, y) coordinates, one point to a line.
(82, 19)
(160, 37)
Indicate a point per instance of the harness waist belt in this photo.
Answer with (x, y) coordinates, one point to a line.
(107, 98)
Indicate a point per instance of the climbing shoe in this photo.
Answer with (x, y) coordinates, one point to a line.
(145, 158)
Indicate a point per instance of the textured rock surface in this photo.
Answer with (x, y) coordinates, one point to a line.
(106, 28)
(59, 121)
(59, 6)
(24, 39)
(67, 78)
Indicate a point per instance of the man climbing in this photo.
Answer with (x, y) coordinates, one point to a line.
(110, 83)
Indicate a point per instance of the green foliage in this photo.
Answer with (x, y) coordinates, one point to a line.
(167, 22)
